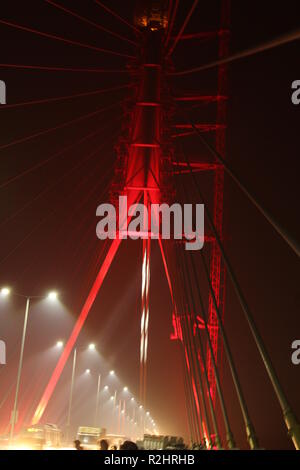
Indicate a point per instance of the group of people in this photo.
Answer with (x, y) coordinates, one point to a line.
(103, 445)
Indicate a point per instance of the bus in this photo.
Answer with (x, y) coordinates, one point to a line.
(39, 437)
(90, 436)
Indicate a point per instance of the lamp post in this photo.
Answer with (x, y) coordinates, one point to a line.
(115, 416)
(91, 347)
(125, 393)
(97, 399)
(15, 408)
(14, 415)
(71, 394)
(142, 420)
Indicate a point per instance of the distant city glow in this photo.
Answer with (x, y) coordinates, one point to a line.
(5, 291)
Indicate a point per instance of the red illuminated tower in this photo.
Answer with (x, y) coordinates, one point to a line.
(143, 173)
(144, 152)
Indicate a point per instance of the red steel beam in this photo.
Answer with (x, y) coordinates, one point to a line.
(201, 127)
(216, 269)
(76, 330)
(205, 98)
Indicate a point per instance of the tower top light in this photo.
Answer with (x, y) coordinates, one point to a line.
(153, 16)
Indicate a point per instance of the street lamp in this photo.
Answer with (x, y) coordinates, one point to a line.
(52, 295)
(59, 344)
(112, 372)
(5, 291)
(92, 347)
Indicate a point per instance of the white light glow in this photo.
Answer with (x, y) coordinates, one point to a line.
(52, 295)
(5, 291)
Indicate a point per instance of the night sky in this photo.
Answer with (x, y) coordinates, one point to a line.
(48, 221)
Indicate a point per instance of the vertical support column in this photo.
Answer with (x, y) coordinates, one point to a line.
(216, 267)
(144, 318)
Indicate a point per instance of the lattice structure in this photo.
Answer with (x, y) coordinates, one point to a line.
(217, 272)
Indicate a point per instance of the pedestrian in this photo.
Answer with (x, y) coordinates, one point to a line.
(78, 445)
(103, 444)
(128, 445)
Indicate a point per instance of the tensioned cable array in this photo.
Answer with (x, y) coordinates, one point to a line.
(269, 217)
(91, 23)
(63, 98)
(181, 31)
(249, 429)
(289, 417)
(64, 40)
(62, 69)
(113, 13)
(60, 178)
(60, 126)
